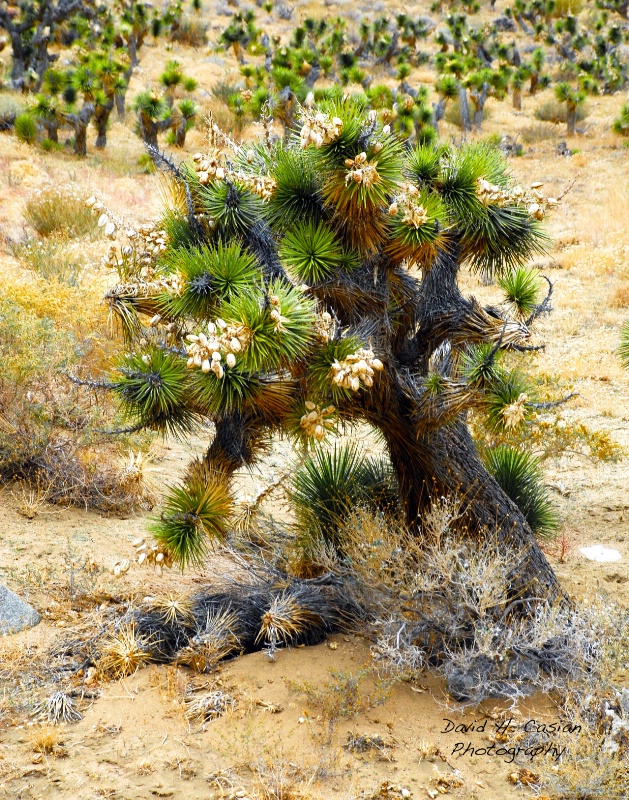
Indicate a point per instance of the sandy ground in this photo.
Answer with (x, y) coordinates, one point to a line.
(134, 741)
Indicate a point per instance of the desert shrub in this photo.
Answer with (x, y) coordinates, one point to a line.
(224, 90)
(47, 425)
(60, 210)
(50, 259)
(520, 476)
(460, 618)
(553, 111)
(562, 8)
(538, 132)
(11, 106)
(26, 128)
(453, 114)
(190, 31)
(621, 297)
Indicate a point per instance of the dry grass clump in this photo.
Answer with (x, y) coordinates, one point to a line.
(60, 210)
(45, 740)
(202, 708)
(124, 652)
(190, 31)
(538, 132)
(552, 110)
(620, 298)
(57, 708)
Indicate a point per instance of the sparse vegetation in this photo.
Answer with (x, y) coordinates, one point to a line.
(374, 433)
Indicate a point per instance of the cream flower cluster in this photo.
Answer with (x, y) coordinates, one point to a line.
(355, 370)
(361, 170)
(276, 314)
(318, 129)
(514, 413)
(173, 284)
(152, 553)
(536, 204)
(208, 168)
(317, 421)
(414, 215)
(145, 244)
(207, 351)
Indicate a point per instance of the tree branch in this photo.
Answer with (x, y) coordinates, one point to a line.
(553, 403)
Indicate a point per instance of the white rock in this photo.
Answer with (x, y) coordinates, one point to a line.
(599, 553)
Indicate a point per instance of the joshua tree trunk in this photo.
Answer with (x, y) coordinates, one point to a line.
(480, 98)
(18, 67)
(148, 130)
(464, 110)
(445, 463)
(517, 99)
(79, 123)
(101, 120)
(571, 118)
(180, 130)
(438, 110)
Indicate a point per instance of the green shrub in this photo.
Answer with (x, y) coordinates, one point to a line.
(26, 128)
(453, 114)
(60, 211)
(621, 125)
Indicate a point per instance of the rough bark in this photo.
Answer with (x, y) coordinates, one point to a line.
(101, 120)
(445, 463)
(464, 110)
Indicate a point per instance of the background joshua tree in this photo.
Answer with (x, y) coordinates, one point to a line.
(304, 286)
(31, 30)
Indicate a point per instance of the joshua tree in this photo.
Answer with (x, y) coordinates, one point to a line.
(301, 286)
(31, 26)
(153, 116)
(573, 98)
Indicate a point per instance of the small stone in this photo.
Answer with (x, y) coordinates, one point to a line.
(15, 614)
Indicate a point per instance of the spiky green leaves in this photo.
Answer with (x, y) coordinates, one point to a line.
(417, 221)
(233, 209)
(311, 251)
(194, 513)
(210, 276)
(494, 236)
(297, 197)
(520, 477)
(280, 324)
(332, 484)
(154, 390)
(479, 364)
(522, 288)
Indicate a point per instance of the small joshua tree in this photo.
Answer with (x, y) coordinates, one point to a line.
(301, 286)
(573, 98)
